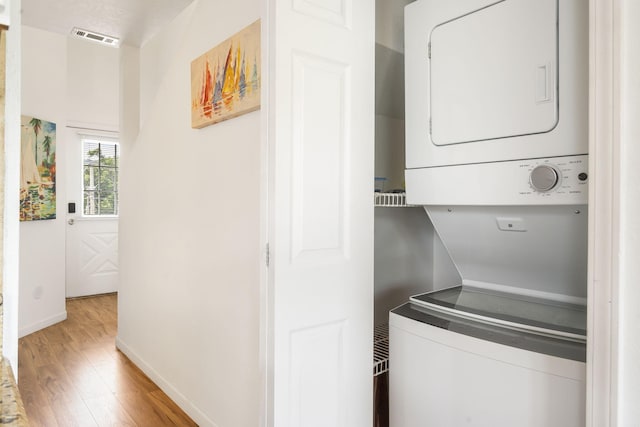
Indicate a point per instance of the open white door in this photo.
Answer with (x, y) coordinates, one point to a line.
(321, 147)
(92, 240)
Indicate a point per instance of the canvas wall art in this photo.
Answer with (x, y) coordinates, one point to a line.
(225, 81)
(37, 169)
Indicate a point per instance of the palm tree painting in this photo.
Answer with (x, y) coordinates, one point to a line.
(233, 88)
(46, 145)
(37, 169)
(36, 124)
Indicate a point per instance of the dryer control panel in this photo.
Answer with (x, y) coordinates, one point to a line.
(547, 181)
(562, 175)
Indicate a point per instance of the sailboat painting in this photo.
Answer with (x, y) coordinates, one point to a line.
(37, 169)
(225, 81)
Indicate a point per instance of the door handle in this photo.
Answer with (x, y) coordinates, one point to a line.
(71, 221)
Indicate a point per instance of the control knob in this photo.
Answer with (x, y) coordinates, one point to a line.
(544, 178)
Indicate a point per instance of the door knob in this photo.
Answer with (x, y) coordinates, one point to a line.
(70, 221)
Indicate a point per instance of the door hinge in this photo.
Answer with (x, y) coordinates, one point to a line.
(429, 50)
(267, 255)
(430, 126)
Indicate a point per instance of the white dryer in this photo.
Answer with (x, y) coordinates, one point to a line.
(495, 81)
(496, 151)
(490, 81)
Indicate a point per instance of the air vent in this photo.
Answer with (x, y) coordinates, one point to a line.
(96, 37)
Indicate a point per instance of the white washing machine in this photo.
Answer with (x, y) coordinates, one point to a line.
(496, 146)
(451, 371)
(506, 346)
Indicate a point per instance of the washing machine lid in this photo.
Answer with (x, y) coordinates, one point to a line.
(513, 311)
(494, 73)
(553, 346)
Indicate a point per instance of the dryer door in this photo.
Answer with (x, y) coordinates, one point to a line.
(491, 81)
(494, 73)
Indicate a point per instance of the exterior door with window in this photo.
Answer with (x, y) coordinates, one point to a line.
(92, 230)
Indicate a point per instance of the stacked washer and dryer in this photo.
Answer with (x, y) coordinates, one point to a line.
(496, 151)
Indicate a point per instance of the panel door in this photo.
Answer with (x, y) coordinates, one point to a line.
(91, 241)
(321, 138)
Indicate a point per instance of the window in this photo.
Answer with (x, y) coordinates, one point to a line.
(100, 160)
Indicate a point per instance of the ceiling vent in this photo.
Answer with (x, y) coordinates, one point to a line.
(96, 37)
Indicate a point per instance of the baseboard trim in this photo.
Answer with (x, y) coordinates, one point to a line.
(44, 323)
(196, 414)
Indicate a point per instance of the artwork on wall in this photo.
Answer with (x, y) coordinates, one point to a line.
(225, 81)
(37, 169)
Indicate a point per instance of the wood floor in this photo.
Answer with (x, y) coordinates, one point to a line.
(71, 374)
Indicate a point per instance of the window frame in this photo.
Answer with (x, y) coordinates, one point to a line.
(100, 140)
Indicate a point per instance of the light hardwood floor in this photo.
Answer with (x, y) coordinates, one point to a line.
(70, 374)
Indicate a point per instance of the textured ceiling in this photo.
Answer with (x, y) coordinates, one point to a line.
(133, 21)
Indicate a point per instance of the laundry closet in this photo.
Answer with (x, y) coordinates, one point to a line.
(480, 266)
(409, 256)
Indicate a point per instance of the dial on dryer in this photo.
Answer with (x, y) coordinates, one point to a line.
(544, 178)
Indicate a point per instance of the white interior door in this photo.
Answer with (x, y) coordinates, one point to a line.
(321, 139)
(91, 241)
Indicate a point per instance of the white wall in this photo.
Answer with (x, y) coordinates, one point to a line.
(11, 229)
(390, 23)
(93, 88)
(71, 83)
(42, 243)
(189, 228)
(390, 93)
(389, 163)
